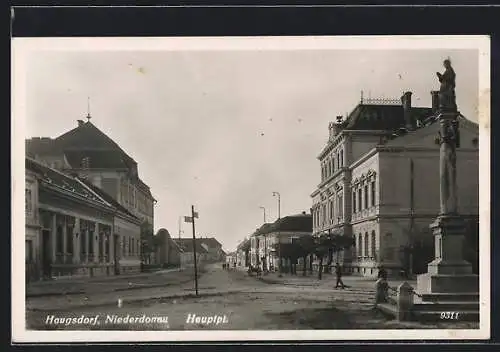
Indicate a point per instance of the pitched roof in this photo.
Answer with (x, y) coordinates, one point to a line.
(186, 244)
(108, 198)
(211, 242)
(86, 137)
(292, 223)
(244, 245)
(381, 117)
(430, 127)
(98, 159)
(65, 183)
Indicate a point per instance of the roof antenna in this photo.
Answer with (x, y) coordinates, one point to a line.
(88, 109)
(361, 101)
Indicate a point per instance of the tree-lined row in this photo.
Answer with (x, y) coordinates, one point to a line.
(323, 247)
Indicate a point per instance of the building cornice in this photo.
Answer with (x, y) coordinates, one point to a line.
(73, 197)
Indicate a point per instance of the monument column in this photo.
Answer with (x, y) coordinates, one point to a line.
(448, 276)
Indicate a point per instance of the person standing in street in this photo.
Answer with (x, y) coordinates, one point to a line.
(338, 273)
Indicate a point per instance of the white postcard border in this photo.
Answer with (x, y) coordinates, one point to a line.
(22, 47)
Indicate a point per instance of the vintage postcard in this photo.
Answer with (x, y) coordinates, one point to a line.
(254, 188)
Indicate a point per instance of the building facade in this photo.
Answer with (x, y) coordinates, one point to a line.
(264, 241)
(91, 154)
(72, 235)
(384, 191)
(187, 251)
(243, 253)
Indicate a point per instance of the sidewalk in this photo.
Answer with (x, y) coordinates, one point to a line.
(113, 283)
(329, 280)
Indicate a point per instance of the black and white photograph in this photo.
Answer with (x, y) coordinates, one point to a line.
(253, 188)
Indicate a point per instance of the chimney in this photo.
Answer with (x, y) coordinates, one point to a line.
(406, 102)
(435, 101)
(80, 123)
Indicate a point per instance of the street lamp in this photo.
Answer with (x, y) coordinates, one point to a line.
(265, 241)
(277, 194)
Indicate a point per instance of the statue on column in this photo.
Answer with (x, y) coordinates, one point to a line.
(447, 99)
(449, 137)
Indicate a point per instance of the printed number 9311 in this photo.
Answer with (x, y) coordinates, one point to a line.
(449, 315)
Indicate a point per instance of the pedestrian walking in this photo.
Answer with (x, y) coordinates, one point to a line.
(338, 273)
(382, 273)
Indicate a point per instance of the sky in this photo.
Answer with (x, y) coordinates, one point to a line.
(223, 130)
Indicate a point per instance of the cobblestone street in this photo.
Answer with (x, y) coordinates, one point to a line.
(245, 302)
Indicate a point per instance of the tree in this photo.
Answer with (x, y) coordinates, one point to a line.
(305, 248)
(328, 244)
(291, 251)
(148, 245)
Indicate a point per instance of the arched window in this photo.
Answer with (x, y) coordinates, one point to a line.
(365, 254)
(354, 202)
(360, 246)
(333, 164)
(373, 245)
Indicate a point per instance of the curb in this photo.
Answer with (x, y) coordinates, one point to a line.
(134, 300)
(82, 292)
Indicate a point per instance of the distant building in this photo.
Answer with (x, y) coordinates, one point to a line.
(214, 248)
(380, 183)
(91, 154)
(243, 253)
(168, 252)
(284, 230)
(187, 251)
(231, 259)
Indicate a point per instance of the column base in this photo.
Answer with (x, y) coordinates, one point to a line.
(450, 284)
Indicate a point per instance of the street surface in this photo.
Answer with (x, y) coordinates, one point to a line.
(228, 300)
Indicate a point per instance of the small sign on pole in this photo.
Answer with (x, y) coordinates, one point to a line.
(191, 220)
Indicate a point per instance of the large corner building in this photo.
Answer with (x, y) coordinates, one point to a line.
(380, 183)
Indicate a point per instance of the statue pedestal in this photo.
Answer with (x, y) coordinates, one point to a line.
(449, 277)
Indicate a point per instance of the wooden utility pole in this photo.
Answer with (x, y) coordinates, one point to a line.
(194, 215)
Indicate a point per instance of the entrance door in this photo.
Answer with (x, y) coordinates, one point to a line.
(116, 248)
(46, 254)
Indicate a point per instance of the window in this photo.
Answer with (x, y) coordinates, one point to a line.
(83, 238)
(69, 239)
(354, 202)
(360, 199)
(366, 196)
(29, 202)
(333, 164)
(59, 239)
(341, 158)
(340, 206)
(124, 244)
(338, 160)
(373, 244)
(29, 251)
(373, 193)
(365, 254)
(360, 245)
(91, 241)
(331, 210)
